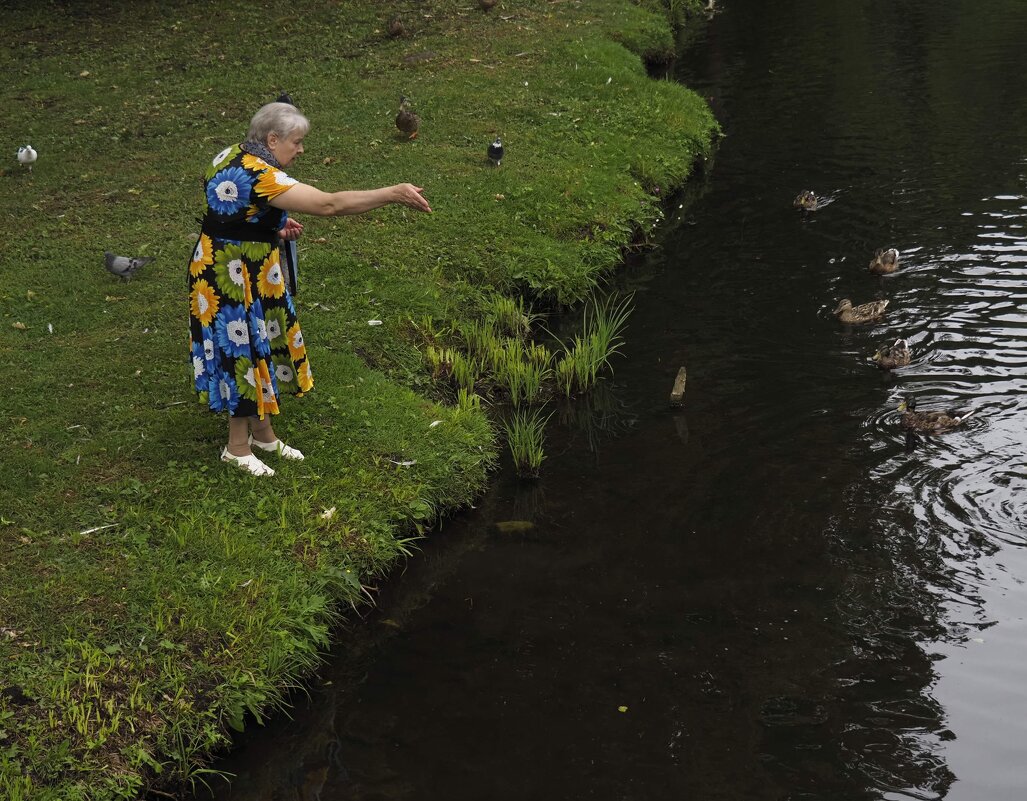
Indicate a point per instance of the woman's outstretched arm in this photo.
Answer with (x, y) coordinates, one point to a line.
(306, 199)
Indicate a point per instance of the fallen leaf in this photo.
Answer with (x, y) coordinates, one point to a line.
(622, 709)
(328, 514)
(374, 322)
(434, 423)
(514, 526)
(84, 74)
(19, 326)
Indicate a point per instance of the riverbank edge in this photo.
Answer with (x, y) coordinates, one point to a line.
(125, 737)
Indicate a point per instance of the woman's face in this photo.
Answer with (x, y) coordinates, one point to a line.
(286, 148)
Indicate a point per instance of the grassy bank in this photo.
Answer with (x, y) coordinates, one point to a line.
(150, 597)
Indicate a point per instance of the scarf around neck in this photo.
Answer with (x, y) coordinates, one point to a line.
(260, 150)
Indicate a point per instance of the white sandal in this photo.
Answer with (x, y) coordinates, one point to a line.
(250, 463)
(279, 447)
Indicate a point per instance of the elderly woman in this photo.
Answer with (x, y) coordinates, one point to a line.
(247, 346)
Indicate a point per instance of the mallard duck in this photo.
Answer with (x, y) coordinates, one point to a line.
(936, 422)
(396, 28)
(895, 355)
(806, 200)
(885, 261)
(864, 313)
(407, 121)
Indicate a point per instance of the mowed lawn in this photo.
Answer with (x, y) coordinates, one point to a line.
(150, 596)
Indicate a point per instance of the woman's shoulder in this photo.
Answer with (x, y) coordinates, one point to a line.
(229, 157)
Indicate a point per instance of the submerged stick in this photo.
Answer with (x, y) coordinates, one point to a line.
(677, 394)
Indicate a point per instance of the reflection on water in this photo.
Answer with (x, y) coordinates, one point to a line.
(770, 593)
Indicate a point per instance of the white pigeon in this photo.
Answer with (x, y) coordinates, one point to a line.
(27, 156)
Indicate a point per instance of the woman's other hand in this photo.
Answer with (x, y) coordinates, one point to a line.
(291, 230)
(410, 195)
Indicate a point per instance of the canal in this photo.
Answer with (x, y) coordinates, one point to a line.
(771, 592)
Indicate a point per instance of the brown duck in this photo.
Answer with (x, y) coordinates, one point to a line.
(864, 313)
(396, 27)
(885, 261)
(806, 200)
(895, 355)
(487, 5)
(936, 422)
(407, 121)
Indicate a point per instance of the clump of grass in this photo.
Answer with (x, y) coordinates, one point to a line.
(589, 352)
(467, 400)
(465, 371)
(521, 370)
(440, 360)
(430, 330)
(479, 336)
(525, 436)
(604, 324)
(511, 316)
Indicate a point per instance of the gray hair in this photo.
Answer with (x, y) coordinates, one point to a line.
(278, 118)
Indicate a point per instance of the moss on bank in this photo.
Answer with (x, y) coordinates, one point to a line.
(150, 597)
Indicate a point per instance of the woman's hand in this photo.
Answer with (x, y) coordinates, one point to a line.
(291, 230)
(410, 195)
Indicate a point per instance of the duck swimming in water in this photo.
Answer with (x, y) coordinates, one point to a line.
(885, 261)
(806, 200)
(864, 313)
(934, 422)
(898, 354)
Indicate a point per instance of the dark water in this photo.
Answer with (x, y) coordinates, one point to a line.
(787, 600)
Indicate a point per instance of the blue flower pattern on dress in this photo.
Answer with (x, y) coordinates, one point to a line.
(233, 331)
(241, 359)
(258, 330)
(199, 368)
(223, 393)
(228, 192)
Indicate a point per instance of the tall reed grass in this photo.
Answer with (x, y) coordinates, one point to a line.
(589, 352)
(525, 436)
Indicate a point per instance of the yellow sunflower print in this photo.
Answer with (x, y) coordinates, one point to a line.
(203, 256)
(297, 350)
(251, 162)
(305, 377)
(271, 281)
(267, 403)
(273, 182)
(204, 302)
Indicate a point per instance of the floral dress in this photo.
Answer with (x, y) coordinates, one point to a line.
(247, 346)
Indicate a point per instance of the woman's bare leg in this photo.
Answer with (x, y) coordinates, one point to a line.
(262, 430)
(238, 441)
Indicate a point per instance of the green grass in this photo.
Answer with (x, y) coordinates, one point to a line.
(525, 437)
(152, 598)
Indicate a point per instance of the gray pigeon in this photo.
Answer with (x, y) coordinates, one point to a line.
(124, 266)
